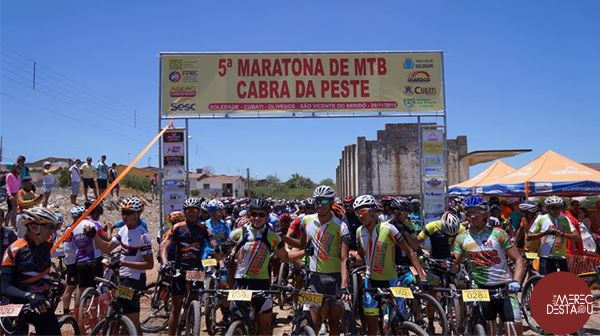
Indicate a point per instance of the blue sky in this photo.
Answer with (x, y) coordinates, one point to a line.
(519, 74)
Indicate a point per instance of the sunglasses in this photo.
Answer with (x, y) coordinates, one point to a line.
(258, 214)
(322, 201)
(365, 211)
(474, 213)
(554, 208)
(47, 226)
(127, 213)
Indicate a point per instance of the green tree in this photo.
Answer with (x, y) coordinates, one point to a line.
(328, 182)
(299, 181)
(272, 180)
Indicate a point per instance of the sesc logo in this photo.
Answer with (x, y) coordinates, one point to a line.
(408, 63)
(175, 76)
(419, 76)
(182, 107)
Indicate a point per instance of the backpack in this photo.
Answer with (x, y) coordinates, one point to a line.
(244, 240)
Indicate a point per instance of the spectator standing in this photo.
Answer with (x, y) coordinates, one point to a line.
(48, 181)
(154, 184)
(26, 199)
(102, 169)
(112, 175)
(23, 170)
(74, 180)
(88, 173)
(13, 184)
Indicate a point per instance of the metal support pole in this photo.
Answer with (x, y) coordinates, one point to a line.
(161, 224)
(187, 160)
(420, 134)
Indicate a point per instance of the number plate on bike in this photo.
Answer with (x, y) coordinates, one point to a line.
(194, 276)
(310, 298)
(10, 310)
(475, 295)
(531, 255)
(402, 292)
(125, 292)
(209, 262)
(239, 295)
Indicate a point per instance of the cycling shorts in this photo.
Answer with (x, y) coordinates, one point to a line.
(87, 270)
(507, 307)
(72, 275)
(261, 303)
(132, 306)
(179, 285)
(371, 305)
(326, 283)
(551, 265)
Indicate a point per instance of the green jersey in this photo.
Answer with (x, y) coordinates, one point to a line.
(254, 257)
(327, 240)
(379, 247)
(551, 245)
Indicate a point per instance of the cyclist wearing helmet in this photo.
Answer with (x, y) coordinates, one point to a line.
(442, 233)
(174, 218)
(376, 243)
(204, 213)
(24, 268)
(553, 230)
(415, 215)
(7, 235)
(189, 237)
(401, 208)
(388, 212)
(88, 255)
(487, 250)
(530, 213)
(216, 225)
(70, 249)
(254, 245)
(136, 255)
(330, 240)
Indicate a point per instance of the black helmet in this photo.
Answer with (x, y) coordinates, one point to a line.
(259, 204)
(99, 209)
(400, 204)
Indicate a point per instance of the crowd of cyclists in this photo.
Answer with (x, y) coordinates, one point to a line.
(330, 242)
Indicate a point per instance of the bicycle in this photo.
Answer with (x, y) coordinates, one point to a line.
(243, 315)
(156, 318)
(115, 322)
(301, 321)
(390, 321)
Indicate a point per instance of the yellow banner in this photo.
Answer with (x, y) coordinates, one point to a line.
(194, 84)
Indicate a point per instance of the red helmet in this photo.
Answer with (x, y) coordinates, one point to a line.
(348, 200)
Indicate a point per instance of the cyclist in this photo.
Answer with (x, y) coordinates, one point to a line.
(441, 234)
(189, 237)
(204, 213)
(70, 249)
(503, 223)
(136, 255)
(24, 268)
(486, 250)
(530, 213)
(376, 244)
(415, 215)
(254, 245)
(88, 255)
(7, 235)
(388, 212)
(330, 239)
(553, 230)
(174, 218)
(401, 208)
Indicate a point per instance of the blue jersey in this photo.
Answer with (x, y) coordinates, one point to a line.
(220, 232)
(120, 224)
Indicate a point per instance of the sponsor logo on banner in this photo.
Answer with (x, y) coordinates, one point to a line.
(175, 76)
(174, 184)
(424, 64)
(173, 206)
(433, 182)
(434, 194)
(179, 64)
(408, 63)
(433, 206)
(433, 170)
(174, 196)
(433, 159)
(183, 91)
(420, 90)
(409, 102)
(173, 149)
(543, 186)
(433, 136)
(182, 107)
(174, 173)
(408, 90)
(173, 136)
(177, 160)
(189, 76)
(419, 76)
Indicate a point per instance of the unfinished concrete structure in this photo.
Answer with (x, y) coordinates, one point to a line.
(390, 165)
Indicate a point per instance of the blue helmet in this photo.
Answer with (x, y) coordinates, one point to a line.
(475, 201)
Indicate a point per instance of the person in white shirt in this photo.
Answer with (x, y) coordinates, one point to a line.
(74, 180)
(48, 181)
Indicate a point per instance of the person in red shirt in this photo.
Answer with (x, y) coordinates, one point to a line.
(572, 246)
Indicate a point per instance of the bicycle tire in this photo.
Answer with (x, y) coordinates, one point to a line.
(357, 301)
(103, 327)
(87, 297)
(479, 330)
(455, 306)
(69, 320)
(192, 319)
(210, 315)
(409, 328)
(159, 308)
(282, 279)
(525, 308)
(306, 330)
(236, 328)
(439, 315)
(348, 321)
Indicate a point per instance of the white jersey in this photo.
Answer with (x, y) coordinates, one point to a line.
(135, 244)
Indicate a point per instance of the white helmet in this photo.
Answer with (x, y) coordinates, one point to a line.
(528, 206)
(364, 201)
(324, 192)
(554, 200)
(450, 223)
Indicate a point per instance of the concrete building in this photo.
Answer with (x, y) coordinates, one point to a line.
(218, 185)
(390, 165)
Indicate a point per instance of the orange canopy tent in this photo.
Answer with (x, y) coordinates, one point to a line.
(549, 174)
(495, 171)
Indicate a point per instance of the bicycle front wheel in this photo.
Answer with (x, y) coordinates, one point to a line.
(68, 326)
(192, 320)
(157, 300)
(118, 326)
(526, 305)
(237, 328)
(89, 309)
(408, 328)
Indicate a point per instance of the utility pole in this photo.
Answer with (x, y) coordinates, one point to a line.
(0, 148)
(34, 75)
(248, 182)
(134, 117)
(149, 157)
